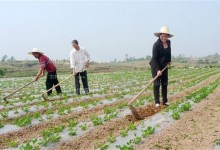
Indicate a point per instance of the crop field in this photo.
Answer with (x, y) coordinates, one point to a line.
(103, 120)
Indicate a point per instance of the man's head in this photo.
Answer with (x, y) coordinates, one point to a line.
(36, 53)
(75, 44)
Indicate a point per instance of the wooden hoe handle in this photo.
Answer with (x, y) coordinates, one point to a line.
(151, 81)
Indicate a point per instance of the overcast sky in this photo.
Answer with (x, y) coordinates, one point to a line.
(107, 29)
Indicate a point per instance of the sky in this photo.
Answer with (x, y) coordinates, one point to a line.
(107, 29)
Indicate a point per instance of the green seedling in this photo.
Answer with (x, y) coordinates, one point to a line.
(72, 123)
(175, 115)
(150, 130)
(83, 127)
(131, 126)
(111, 139)
(124, 133)
(72, 132)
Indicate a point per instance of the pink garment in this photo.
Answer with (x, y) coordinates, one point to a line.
(46, 63)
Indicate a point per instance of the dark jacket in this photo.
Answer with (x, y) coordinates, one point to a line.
(160, 56)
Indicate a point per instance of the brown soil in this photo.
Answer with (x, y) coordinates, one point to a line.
(197, 129)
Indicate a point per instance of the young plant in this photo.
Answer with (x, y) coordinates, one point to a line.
(185, 107)
(111, 139)
(34, 144)
(136, 140)
(103, 146)
(1, 125)
(26, 109)
(48, 112)
(109, 110)
(37, 115)
(217, 141)
(96, 120)
(61, 110)
(13, 144)
(175, 115)
(124, 133)
(72, 123)
(50, 136)
(21, 122)
(4, 114)
(127, 146)
(150, 130)
(131, 126)
(83, 127)
(72, 132)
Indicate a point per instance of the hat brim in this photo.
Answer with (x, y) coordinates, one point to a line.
(31, 53)
(157, 34)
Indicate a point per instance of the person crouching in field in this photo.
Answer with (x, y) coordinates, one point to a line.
(46, 64)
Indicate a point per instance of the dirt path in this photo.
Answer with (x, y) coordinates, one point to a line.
(197, 129)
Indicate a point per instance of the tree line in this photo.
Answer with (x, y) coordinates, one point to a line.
(5, 58)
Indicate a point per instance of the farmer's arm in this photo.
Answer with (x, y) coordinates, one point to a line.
(39, 74)
(88, 59)
(74, 71)
(72, 63)
(169, 58)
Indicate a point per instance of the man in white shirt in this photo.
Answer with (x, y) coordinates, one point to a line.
(79, 61)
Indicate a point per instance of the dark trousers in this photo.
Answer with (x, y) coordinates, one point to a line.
(83, 76)
(51, 81)
(160, 81)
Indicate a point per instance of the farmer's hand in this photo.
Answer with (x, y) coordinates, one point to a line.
(74, 72)
(169, 63)
(35, 79)
(42, 75)
(159, 73)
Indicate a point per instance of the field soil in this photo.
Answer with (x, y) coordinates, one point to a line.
(197, 129)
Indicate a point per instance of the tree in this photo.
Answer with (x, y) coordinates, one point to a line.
(126, 57)
(12, 59)
(4, 58)
(148, 57)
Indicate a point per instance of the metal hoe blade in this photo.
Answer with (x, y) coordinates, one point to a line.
(44, 97)
(135, 113)
(5, 99)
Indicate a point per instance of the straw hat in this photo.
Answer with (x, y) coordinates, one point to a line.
(35, 50)
(163, 30)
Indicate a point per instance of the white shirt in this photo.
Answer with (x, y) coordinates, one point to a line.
(78, 59)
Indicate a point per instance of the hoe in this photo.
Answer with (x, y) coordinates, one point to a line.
(43, 94)
(4, 98)
(131, 107)
(55, 86)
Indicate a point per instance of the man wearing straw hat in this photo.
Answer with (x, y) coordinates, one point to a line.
(161, 56)
(79, 61)
(46, 64)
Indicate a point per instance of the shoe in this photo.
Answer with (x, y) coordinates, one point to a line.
(86, 91)
(157, 105)
(167, 104)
